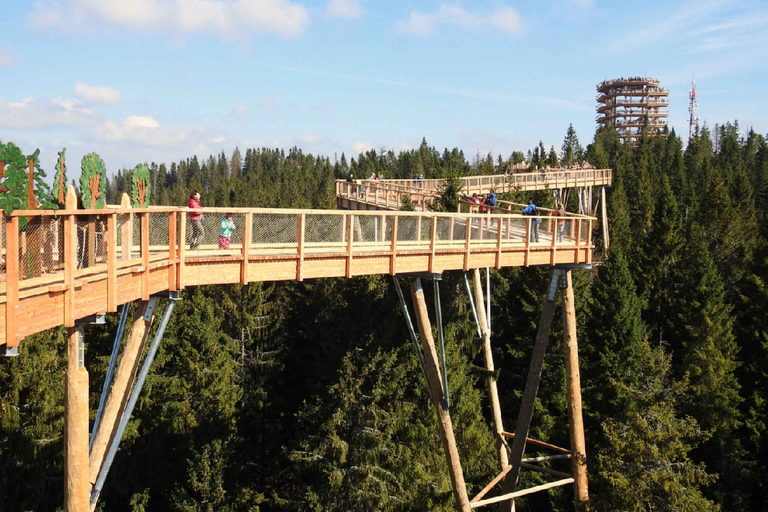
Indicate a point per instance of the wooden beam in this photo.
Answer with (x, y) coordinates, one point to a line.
(531, 390)
(603, 207)
(432, 240)
(11, 280)
(70, 258)
(301, 228)
(393, 248)
(172, 251)
(144, 218)
(434, 379)
(573, 384)
(506, 498)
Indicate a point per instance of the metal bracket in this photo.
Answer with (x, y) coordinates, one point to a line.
(98, 319)
(150, 309)
(574, 266)
(423, 275)
(6, 351)
(167, 294)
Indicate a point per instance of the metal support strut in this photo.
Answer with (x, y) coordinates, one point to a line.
(132, 402)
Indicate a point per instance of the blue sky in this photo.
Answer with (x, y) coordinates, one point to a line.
(160, 80)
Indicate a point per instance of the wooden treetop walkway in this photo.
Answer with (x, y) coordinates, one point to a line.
(61, 266)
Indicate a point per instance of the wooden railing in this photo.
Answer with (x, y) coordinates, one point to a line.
(60, 266)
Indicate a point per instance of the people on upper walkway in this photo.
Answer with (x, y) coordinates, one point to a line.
(533, 211)
(197, 231)
(490, 199)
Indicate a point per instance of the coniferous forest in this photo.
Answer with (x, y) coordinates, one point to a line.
(308, 396)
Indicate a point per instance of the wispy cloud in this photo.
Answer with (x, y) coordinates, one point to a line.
(423, 24)
(141, 129)
(228, 19)
(97, 95)
(34, 114)
(6, 59)
(240, 112)
(533, 99)
(361, 147)
(344, 9)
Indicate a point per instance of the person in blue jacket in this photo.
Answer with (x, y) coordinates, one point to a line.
(532, 210)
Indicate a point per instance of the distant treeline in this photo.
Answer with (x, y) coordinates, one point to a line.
(309, 396)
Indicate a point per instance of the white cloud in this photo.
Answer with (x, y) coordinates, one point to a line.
(506, 19)
(141, 129)
(361, 147)
(307, 139)
(97, 95)
(33, 114)
(582, 4)
(228, 19)
(344, 9)
(218, 139)
(6, 59)
(240, 112)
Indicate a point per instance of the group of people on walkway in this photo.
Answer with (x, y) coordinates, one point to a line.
(532, 210)
(197, 230)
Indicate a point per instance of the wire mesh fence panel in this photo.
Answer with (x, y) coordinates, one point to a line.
(30, 247)
(324, 228)
(159, 233)
(370, 228)
(274, 228)
(407, 229)
(425, 231)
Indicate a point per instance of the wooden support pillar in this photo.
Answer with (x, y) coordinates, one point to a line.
(435, 383)
(76, 487)
(119, 392)
(573, 383)
(531, 389)
(493, 391)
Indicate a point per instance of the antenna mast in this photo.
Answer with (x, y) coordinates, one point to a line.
(694, 119)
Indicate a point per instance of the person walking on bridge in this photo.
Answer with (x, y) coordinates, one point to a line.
(533, 211)
(195, 221)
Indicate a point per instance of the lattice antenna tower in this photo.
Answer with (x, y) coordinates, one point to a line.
(692, 105)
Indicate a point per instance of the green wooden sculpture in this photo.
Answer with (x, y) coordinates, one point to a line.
(38, 191)
(60, 180)
(93, 182)
(140, 188)
(13, 189)
(23, 186)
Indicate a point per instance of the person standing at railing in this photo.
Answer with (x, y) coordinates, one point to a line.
(351, 184)
(533, 211)
(195, 221)
(560, 214)
(490, 200)
(225, 234)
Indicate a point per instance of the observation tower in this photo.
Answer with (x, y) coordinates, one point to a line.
(625, 102)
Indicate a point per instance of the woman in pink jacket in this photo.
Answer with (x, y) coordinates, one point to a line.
(197, 231)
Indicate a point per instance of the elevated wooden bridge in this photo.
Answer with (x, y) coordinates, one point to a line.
(65, 267)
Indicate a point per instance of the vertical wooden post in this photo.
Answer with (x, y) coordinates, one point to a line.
(76, 488)
(11, 280)
(126, 230)
(172, 251)
(350, 238)
(432, 245)
(573, 383)
(119, 392)
(531, 390)
(435, 383)
(393, 248)
(247, 236)
(70, 258)
(111, 263)
(493, 391)
(144, 218)
(468, 237)
(301, 227)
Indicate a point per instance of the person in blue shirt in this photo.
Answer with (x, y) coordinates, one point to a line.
(532, 210)
(490, 199)
(225, 234)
